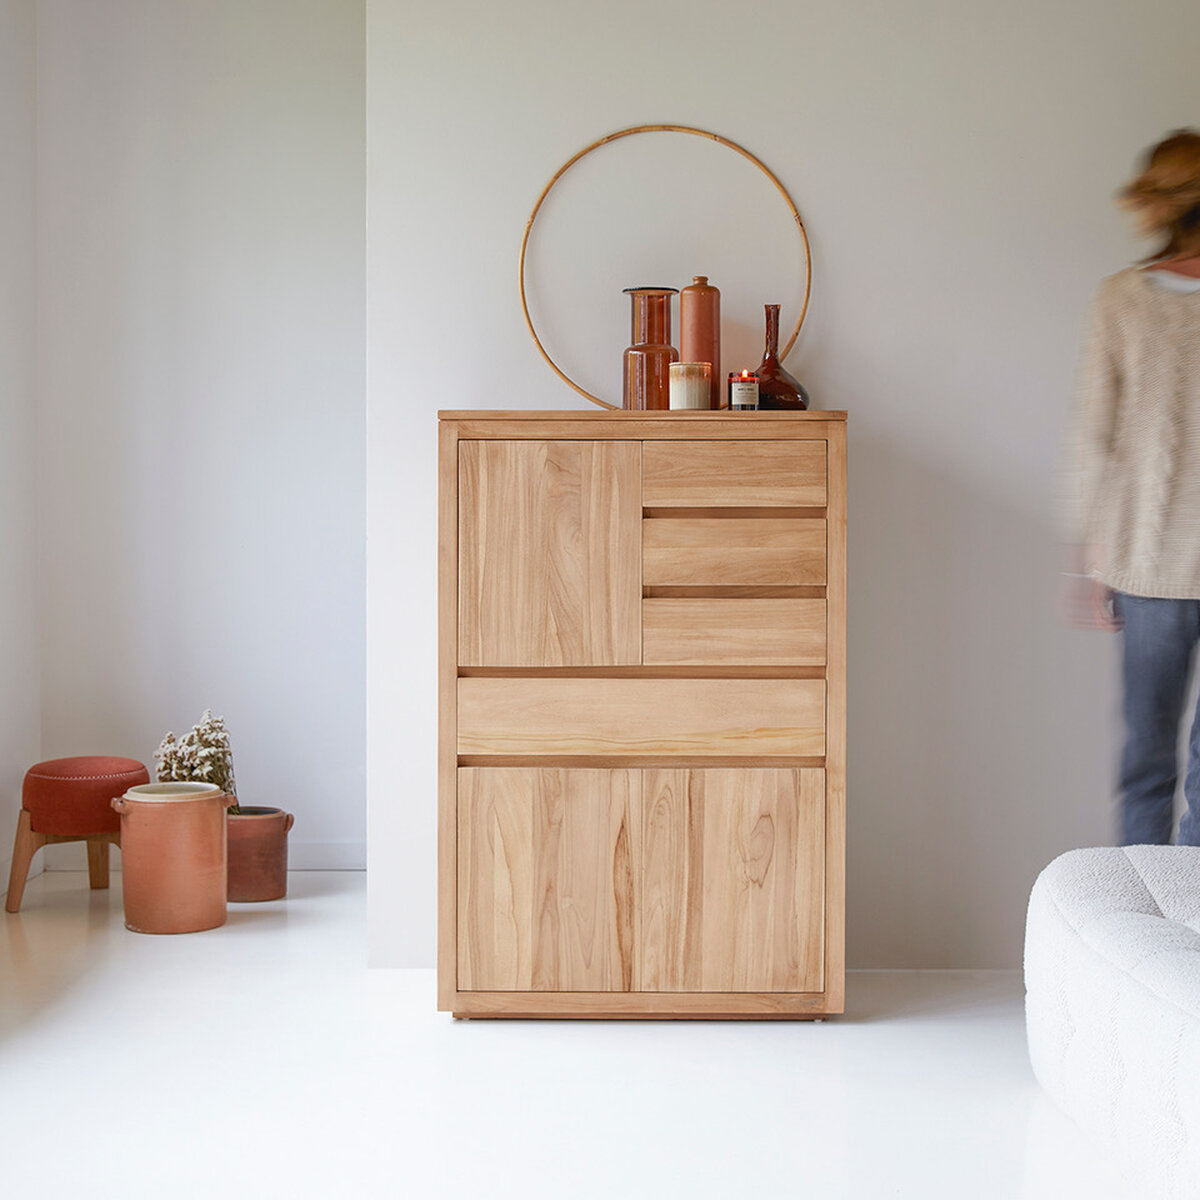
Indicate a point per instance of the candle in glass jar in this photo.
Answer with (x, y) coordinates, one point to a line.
(690, 385)
(743, 391)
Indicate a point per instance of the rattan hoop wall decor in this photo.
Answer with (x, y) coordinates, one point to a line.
(624, 133)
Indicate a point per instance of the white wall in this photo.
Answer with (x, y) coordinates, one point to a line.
(19, 699)
(201, 195)
(954, 165)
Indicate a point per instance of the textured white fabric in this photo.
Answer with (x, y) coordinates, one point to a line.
(1112, 1004)
(1133, 472)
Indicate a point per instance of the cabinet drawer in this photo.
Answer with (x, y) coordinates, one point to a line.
(678, 718)
(721, 474)
(716, 551)
(707, 631)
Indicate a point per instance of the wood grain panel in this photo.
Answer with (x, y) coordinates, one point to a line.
(671, 881)
(706, 671)
(794, 423)
(714, 591)
(668, 717)
(642, 780)
(835, 803)
(643, 761)
(447, 708)
(732, 881)
(654, 1006)
(549, 561)
(643, 426)
(710, 552)
(746, 632)
(721, 473)
(546, 889)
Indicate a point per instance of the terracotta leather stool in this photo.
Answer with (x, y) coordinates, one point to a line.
(70, 800)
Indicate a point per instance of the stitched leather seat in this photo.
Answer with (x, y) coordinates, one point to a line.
(70, 800)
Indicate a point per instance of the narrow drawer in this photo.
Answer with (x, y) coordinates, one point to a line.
(684, 718)
(719, 551)
(734, 474)
(706, 631)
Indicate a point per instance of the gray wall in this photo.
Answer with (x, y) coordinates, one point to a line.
(200, 467)
(19, 688)
(954, 164)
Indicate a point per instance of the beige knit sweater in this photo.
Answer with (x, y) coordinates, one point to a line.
(1133, 477)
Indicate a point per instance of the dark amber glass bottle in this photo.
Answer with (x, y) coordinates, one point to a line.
(776, 388)
(648, 360)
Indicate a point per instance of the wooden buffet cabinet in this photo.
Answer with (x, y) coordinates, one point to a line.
(642, 714)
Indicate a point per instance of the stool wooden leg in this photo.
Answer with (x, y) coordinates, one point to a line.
(97, 851)
(25, 846)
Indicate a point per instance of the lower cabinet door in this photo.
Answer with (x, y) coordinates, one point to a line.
(545, 879)
(732, 881)
(677, 880)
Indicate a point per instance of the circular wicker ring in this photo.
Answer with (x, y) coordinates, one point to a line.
(623, 133)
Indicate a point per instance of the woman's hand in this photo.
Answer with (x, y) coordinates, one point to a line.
(1086, 602)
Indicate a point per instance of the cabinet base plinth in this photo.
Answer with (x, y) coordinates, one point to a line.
(644, 1006)
(630, 1016)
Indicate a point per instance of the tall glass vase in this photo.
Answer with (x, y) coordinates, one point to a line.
(648, 359)
(776, 388)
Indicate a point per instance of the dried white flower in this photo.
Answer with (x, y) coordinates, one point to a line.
(203, 754)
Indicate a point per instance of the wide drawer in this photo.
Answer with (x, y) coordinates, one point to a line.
(684, 718)
(721, 474)
(707, 631)
(721, 551)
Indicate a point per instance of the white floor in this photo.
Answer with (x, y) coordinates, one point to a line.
(264, 1060)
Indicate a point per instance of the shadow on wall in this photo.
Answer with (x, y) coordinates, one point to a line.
(982, 730)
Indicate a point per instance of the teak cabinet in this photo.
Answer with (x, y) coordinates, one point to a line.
(642, 714)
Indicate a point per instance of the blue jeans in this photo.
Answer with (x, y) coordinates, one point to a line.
(1160, 637)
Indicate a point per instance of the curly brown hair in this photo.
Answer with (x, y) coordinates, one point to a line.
(1165, 195)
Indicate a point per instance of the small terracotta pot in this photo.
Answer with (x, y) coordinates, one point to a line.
(258, 854)
(173, 857)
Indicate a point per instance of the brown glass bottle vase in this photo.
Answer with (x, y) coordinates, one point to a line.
(648, 359)
(777, 389)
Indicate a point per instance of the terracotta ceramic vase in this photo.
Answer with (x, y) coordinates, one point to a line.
(700, 331)
(648, 359)
(173, 857)
(258, 854)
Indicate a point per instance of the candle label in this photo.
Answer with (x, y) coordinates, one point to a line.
(743, 393)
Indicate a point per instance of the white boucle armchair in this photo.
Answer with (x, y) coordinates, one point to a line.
(1112, 981)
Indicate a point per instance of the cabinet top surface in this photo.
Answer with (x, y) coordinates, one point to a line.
(618, 414)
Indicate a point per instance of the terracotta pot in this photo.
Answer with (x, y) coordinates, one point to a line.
(173, 857)
(258, 854)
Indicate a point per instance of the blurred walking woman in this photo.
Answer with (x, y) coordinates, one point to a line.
(1134, 479)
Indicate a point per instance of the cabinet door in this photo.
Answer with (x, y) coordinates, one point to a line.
(549, 553)
(732, 881)
(545, 879)
(694, 880)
